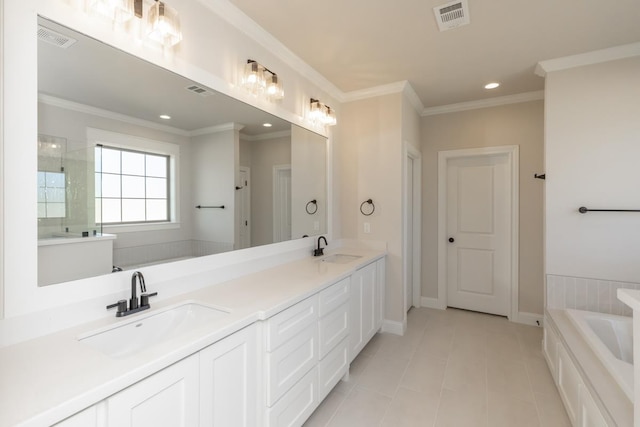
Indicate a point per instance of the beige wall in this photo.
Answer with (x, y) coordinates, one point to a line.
(516, 124)
(592, 151)
(370, 166)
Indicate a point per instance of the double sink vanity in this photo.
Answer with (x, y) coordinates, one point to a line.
(263, 349)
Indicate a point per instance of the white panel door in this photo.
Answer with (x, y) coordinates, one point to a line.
(478, 232)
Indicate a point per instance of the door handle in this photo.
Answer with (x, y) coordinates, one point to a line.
(451, 240)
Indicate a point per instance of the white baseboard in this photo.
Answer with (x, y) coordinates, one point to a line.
(529, 319)
(431, 303)
(392, 327)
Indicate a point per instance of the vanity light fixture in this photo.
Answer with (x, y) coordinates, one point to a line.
(164, 24)
(491, 85)
(261, 81)
(119, 11)
(321, 113)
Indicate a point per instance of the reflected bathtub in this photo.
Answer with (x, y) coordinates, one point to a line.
(611, 338)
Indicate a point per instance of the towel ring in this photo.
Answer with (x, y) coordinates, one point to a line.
(313, 202)
(370, 203)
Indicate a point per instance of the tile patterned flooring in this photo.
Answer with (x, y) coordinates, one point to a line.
(451, 368)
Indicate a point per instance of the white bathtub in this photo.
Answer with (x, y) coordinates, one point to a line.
(611, 338)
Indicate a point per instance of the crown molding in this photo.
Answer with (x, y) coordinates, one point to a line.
(484, 103)
(588, 58)
(99, 112)
(216, 129)
(234, 16)
(403, 87)
(266, 136)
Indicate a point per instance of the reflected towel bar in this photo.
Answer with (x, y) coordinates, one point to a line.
(584, 210)
(210, 207)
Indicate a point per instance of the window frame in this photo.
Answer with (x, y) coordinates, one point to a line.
(133, 143)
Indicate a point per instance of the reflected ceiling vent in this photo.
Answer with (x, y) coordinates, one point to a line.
(47, 35)
(452, 15)
(202, 91)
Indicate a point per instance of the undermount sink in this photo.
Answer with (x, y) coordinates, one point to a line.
(126, 339)
(340, 258)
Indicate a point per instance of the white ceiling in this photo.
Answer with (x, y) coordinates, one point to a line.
(360, 44)
(97, 75)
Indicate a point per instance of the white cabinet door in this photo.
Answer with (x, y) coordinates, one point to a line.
(229, 381)
(364, 306)
(168, 398)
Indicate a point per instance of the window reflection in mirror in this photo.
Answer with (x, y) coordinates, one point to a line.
(251, 182)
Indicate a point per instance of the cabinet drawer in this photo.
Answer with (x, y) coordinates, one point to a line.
(297, 404)
(334, 296)
(332, 368)
(333, 328)
(290, 362)
(290, 322)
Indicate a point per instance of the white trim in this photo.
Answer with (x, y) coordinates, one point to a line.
(512, 151)
(265, 136)
(484, 103)
(2, 156)
(388, 89)
(215, 129)
(234, 16)
(393, 327)
(99, 112)
(532, 319)
(588, 58)
(411, 153)
(431, 303)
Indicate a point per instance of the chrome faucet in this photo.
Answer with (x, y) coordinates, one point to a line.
(134, 305)
(320, 251)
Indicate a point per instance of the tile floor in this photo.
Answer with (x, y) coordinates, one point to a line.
(451, 368)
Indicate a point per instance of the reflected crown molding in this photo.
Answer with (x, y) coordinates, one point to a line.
(216, 129)
(588, 58)
(87, 109)
(484, 103)
(265, 136)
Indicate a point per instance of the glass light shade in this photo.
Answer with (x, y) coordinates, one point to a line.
(316, 110)
(164, 24)
(118, 10)
(253, 79)
(330, 118)
(274, 88)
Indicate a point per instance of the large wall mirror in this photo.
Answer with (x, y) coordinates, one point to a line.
(121, 185)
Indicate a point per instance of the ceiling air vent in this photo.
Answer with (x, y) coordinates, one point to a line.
(47, 35)
(452, 15)
(200, 90)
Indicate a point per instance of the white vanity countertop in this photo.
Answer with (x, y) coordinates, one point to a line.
(47, 379)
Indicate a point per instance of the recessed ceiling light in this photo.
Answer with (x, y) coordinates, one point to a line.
(491, 85)
(165, 116)
(267, 125)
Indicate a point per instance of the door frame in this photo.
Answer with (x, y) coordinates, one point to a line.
(512, 153)
(245, 194)
(416, 209)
